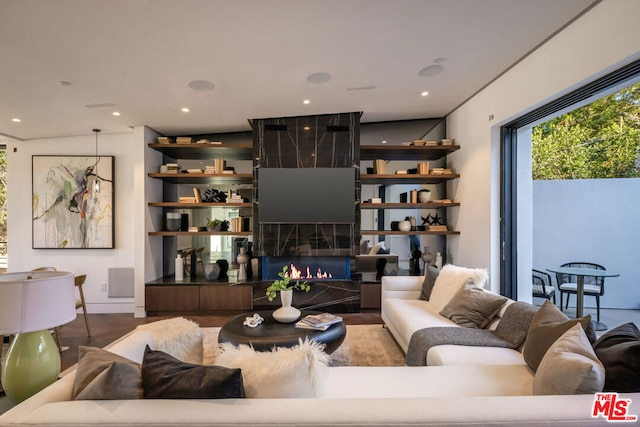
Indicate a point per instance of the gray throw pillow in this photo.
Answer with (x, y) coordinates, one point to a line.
(472, 307)
(431, 274)
(102, 375)
(548, 324)
(165, 377)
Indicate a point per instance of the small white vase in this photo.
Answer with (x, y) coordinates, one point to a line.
(243, 259)
(286, 313)
(404, 226)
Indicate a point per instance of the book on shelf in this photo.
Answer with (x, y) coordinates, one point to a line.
(193, 229)
(401, 172)
(186, 199)
(303, 325)
(418, 142)
(322, 319)
(447, 141)
(184, 140)
(165, 140)
(379, 167)
(210, 170)
(219, 165)
(197, 195)
(431, 143)
(194, 170)
(437, 171)
(203, 141)
(438, 228)
(423, 168)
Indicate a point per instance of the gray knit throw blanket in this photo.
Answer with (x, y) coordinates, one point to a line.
(510, 333)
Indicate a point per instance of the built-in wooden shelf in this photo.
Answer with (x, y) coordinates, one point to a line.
(430, 205)
(407, 178)
(203, 178)
(200, 233)
(198, 205)
(206, 151)
(405, 233)
(406, 152)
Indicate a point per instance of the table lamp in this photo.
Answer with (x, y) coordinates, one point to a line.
(31, 303)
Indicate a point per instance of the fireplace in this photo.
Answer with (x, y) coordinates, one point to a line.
(316, 268)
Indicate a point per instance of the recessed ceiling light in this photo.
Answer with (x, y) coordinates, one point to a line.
(306, 101)
(16, 120)
(431, 70)
(185, 110)
(65, 83)
(115, 113)
(200, 85)
(425, 93)
(306, 128)
(318, 77)
(350, 89)
(439, 60)
(384, 142)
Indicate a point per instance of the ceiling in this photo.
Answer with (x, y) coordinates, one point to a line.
(67, 65)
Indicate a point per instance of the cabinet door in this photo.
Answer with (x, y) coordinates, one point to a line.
(172, 298)
(221, 297)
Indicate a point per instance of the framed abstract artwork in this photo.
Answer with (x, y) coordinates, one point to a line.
(72, 202)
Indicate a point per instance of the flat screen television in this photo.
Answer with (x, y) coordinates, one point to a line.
(306, 195)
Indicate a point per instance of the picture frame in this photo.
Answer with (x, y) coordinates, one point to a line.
(72, 202)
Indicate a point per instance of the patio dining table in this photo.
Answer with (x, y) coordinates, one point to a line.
(581, 273)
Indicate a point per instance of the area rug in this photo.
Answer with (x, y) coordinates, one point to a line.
(364, 345)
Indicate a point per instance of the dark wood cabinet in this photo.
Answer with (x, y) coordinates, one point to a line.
(197, 298)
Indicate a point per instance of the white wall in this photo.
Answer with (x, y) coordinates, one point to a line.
(590, 220)
(599, 42)
(92, 262)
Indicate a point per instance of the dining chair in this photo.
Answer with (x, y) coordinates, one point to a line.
(542, 286)
(593, 286)
(79, 281)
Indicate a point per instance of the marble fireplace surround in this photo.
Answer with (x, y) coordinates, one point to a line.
(321, 141)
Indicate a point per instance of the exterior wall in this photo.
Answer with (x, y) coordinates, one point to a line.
(591, 220)
(575, 56)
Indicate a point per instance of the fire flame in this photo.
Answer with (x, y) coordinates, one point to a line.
(296, 273)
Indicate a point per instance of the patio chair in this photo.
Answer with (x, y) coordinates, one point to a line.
(542, 286)
(593, 286)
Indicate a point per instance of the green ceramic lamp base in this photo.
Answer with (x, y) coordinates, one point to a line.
(31, 364)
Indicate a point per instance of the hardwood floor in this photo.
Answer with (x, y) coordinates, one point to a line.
(106, 328)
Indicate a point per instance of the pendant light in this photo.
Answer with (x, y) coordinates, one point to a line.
(96, 181)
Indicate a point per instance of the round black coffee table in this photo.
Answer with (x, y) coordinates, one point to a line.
(272, 333)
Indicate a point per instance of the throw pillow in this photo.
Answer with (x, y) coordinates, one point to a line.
(431, 274)
(473, 307)
(165, 377)
(449, 282)
(619, 352)
(548, 324)
(178, 336)
(282, 372)
(102, 375)
(570, 366)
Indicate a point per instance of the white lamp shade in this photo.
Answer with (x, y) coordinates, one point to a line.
(33, 301)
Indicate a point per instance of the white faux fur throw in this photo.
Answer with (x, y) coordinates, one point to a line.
(282, 372)
(178, 337)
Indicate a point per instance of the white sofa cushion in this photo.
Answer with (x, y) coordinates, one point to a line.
(179, 337)
(441, 355)
(410, 315)
(450, 280)
(426, 381)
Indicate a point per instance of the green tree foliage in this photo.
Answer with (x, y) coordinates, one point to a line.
(599, 140)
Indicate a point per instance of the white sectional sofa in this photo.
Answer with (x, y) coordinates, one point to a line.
(403, 313)
(464, 389)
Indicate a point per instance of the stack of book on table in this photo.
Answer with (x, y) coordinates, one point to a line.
(320, 322)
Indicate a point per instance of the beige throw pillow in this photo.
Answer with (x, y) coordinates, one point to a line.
(472, 307)
(570, 366)
(548, 324)
(450, 280)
